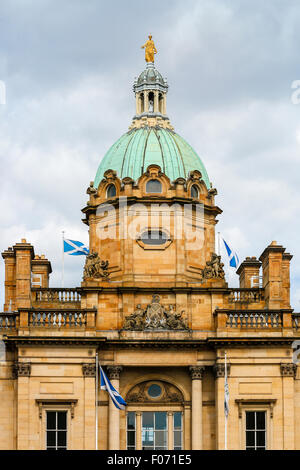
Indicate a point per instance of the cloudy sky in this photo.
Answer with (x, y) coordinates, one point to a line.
(69, 66)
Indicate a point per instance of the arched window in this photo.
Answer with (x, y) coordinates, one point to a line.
(194, 191)
(163, 418)
(111, 191)
(153, 186)
(154, 237)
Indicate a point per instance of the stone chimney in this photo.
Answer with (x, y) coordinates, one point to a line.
(273, 268)
(41, 269)
(10, 279)
(249, 272)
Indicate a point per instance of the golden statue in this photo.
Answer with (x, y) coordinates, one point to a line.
(150, 49)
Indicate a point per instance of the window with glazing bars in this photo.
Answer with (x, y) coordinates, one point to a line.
(256, 430)
(56, 430)
(131, 431)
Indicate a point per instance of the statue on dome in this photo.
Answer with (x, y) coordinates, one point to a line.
(150, 49)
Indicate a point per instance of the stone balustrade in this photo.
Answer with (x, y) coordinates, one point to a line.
(56, 295)
(248, 296)
(8, 321)
(259, 320)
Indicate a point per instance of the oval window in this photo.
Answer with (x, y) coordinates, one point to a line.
(111, 191)
(154, 391)
(153, 186)
(154, 237)
(194, 191)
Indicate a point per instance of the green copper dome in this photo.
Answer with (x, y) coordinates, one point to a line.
(137, 149)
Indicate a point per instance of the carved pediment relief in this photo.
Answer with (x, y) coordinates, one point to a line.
(155, 317)
(141, 393)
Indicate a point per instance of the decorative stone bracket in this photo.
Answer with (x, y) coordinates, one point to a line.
(89, 369)
(219, 370)
(114, 372)
(288, 370)
(242, 403)
(197, 372)
(21, 369)
(43, 402)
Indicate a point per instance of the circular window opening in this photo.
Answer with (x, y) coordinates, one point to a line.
(153, 186)
(194, 191)
(111, 191)
(154, 237)
(154, 391)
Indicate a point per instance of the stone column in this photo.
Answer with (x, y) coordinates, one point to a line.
(164, 105)
(170, 431)
(146, 101)
(22, 371)
(156, 108)
(137, 103)
(89, 374)
(196, 375)
(113, 412)
(288, 373)
(219, 370)
(138, 430)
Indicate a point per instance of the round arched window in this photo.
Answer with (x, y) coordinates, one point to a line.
(154, 391)
(154, 237)
(111, 191)
(194, 191)
(153, 186)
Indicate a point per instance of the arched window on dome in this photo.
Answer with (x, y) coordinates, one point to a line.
(194, 192)
(153, 186)
(111, 191)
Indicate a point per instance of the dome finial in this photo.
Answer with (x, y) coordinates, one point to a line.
(150, 49)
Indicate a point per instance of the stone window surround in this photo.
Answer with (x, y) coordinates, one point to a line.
(256, 404)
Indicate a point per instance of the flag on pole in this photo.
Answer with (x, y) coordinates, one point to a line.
(233, 257)
(105, 384)
(226, 391)
(75, 248)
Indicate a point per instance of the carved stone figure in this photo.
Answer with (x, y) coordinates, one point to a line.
(155, 317)
(95, 267)
(135, 321)
(214, 268)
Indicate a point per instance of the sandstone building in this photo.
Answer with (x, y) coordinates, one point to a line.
(155, 306)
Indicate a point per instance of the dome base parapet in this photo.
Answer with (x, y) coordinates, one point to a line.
(151, 120)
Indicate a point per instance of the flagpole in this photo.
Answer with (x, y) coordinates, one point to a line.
(96, 396)
(63, 260)
(219, 243)
(225, 446)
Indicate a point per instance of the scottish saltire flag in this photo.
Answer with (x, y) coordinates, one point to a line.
(75, 248)
(233, 257)
(226, 394)
(114, 395)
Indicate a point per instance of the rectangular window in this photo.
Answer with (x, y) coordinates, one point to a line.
(256, 430)
(177, 430)
(131, 431)
(56, 430)
(154, 430)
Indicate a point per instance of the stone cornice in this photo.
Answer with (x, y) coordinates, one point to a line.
(19, 341)
(212, 343)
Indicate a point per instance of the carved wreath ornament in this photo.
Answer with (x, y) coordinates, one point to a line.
(155, 317)
(94, 267)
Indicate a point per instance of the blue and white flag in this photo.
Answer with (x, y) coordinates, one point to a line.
(105, 384)
(75, 248)
(226, 391)
(233, 257)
